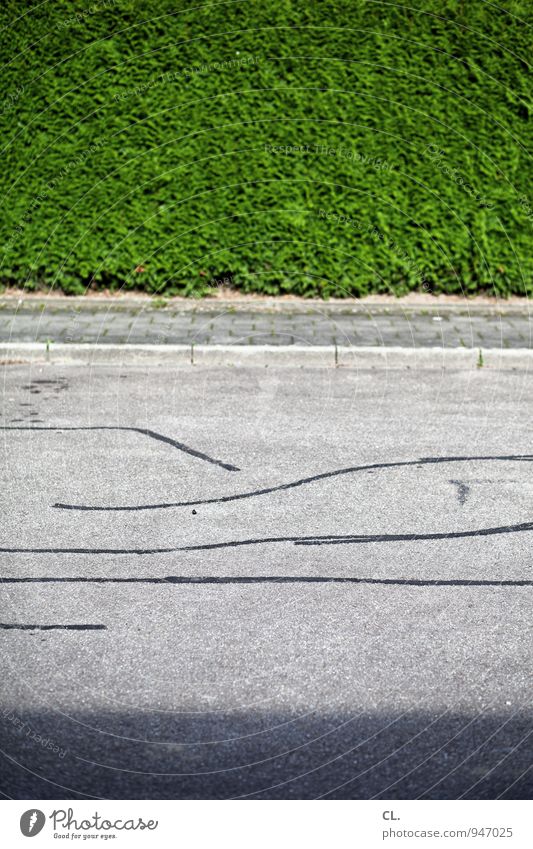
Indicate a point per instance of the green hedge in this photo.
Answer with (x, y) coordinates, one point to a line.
(318, 148)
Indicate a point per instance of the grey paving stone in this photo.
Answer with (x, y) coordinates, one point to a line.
(290, 323)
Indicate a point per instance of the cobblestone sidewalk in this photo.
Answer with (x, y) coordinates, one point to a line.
(275, 323)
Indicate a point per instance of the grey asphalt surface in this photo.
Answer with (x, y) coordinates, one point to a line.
(357, 635)
(234, 322)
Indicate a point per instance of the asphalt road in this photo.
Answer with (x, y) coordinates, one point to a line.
(335, 601)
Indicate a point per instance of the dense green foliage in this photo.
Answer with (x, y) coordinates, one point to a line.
(156, 134)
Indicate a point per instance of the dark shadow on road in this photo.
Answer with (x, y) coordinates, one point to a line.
(135, 755)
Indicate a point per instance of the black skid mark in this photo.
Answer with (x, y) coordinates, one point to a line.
(279, 579)
(17, 626)
(159, 437)
(297, 483)
(349, 539)
(463, 491)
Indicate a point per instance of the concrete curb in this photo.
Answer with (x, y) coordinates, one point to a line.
(265, 355)
(350, 306)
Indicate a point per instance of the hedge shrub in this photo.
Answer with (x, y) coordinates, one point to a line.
(325, 148)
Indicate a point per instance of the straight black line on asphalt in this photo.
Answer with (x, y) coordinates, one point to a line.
(17, 626)
(275, 579)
